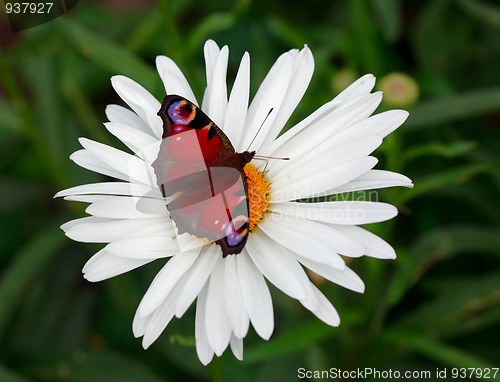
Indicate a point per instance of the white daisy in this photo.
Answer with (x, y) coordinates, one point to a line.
(329, 154)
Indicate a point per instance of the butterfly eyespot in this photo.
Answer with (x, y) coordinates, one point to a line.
(181, 112)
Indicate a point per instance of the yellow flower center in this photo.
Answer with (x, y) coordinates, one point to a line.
(259, 190)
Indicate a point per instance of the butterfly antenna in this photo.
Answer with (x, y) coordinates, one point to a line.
(262, 124)
(261, 157)
(265, 167)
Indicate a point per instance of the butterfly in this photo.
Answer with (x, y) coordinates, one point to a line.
(201, 176)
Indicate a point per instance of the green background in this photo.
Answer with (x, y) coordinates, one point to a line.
(437, 305)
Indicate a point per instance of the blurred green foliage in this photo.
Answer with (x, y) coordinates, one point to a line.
(437, 305)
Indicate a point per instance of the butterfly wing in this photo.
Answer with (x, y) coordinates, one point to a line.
(198, 168)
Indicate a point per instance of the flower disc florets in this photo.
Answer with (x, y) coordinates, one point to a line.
(259, 191)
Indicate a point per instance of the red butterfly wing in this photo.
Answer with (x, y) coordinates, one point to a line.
(199, 167)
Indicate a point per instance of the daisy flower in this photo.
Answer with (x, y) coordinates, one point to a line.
(329, 153)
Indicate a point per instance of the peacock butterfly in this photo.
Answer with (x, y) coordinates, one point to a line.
(201, 176)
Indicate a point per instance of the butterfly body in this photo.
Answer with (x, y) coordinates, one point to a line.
(198, 165)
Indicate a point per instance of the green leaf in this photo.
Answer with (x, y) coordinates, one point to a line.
(489, 317)
(216, 22)
(24, 107)
(48, 109)
(7, 375)
(450, 241)
(291, 342)
(446, 150)
(9, 118)
(389, 17)
(26, 266)
(445, 178)
(435, 246)
(147, 29)
(365, 43)
(82, 107)
(435, 350)
(452, 108)
(430, 38)
(183, 340)
(458, 300)
(184, 357)
(17, 193)
(286, 32)
(108, 55)
(486, 13)
(88, 366)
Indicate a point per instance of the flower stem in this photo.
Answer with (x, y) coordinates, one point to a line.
(216, 365)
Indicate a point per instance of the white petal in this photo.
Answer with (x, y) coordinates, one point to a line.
(140, 324)
(216, 317)
(145, 247)
(130, 207)
(320, 183)
(325, 310)
(361, 86)
(137, 141)
(237, 347)
(343, 277)
(203, 349)
(98, 230)
(307, 238)
(163, 315)
(381, 125)
(355, 141)
(256, 296)
(202, 269)
(122, 115)
(344, 212)
(173, 79)
(103, 266)
(141, 101)
(269, 97)
(217, 101)
(134, 167)
(317, 115)
(238, 103)
(165, 280)
(85, 198)
(86, 220)
(373, 245)
(374, 179)
(86, 159)
(277, 265)
(112, 188)
(236, 309)
(339, 119)
(303, 68)
(326, 155)
(211, 51)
